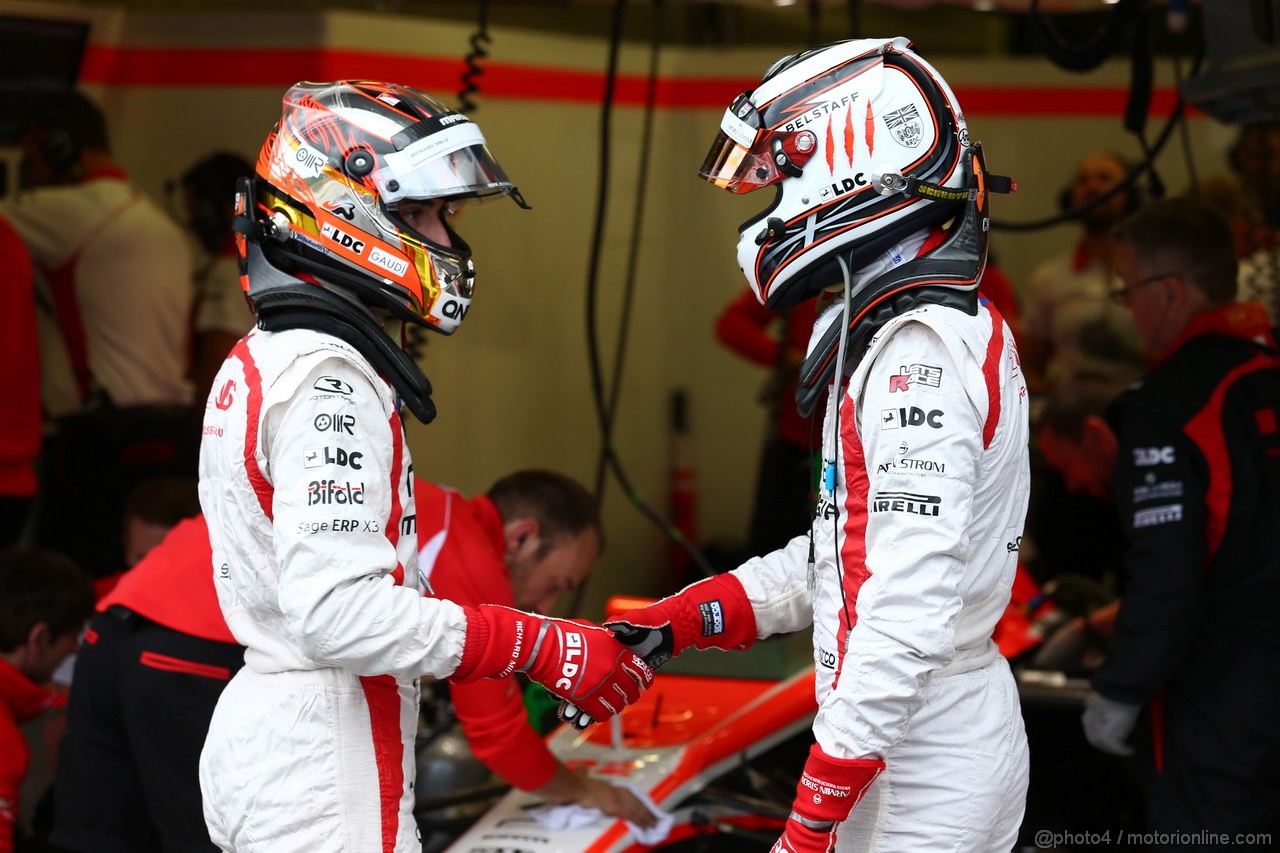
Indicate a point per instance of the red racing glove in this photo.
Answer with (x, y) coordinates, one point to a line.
(580, 663)
(710, 614)
(828, 791)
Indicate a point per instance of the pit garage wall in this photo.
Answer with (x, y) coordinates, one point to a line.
(512, 386)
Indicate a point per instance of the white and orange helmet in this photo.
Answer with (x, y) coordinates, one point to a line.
(331, 175)
(838, 131)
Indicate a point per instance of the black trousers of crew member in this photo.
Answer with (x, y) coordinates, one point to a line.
(1221, 767)
(128, 767)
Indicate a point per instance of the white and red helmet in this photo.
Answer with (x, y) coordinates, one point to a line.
(839, 131)
(333, 173)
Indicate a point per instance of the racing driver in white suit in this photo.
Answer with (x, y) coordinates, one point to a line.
(881, 197)
(306, 482)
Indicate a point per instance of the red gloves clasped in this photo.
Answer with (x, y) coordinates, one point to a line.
(582, 664)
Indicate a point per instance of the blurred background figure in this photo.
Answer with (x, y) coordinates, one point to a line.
(1255, 158)
(777, 340)
(147, 679)
(531, 538)
(222, 314)
(20, 377)
(113, 308)
(44, 602)
(1081, 553)
(1068, 323)
(1197, 483)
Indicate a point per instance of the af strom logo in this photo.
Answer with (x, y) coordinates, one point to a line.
(226, 395)
(905, 125)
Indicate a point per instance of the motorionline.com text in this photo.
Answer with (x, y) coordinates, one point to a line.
(1049, 839)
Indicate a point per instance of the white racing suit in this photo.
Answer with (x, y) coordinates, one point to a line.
(915, 549)
(307, 486)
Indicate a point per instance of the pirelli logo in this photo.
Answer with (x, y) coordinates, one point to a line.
(1157, 515)
(906, 502)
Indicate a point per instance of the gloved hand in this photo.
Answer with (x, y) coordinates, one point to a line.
(582, 664)
(1108, 723)
(712, 613)
(828, 791)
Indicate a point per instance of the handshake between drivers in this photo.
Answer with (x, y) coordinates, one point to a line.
(597, 671)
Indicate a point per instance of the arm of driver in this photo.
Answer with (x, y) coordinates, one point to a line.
(348, 606)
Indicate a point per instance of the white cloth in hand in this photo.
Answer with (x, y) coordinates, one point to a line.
(574, 816)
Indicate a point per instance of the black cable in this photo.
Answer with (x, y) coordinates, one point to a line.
(1185, 130)
(597, 244)
(637, 219)
(1175, 116)
(606, 406)
(624, 321)
(855, 18)
(478, 42)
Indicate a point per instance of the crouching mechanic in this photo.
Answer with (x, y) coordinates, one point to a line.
(307, 484)
(533, 537)
(908, 565)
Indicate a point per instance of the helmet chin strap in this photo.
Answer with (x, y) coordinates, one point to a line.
(945, 275)
(292, 304)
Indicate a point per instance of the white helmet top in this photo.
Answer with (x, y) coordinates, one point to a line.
(839, 130)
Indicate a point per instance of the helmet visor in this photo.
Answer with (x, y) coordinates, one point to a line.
(452, 163)
(732, 167)
(739, 158)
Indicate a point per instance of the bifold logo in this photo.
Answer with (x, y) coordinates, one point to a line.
(332, 492)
